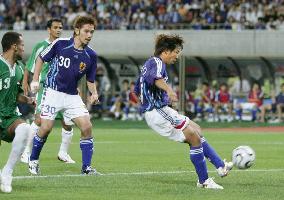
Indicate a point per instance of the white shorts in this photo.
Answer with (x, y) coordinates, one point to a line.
(54, 101)
(167, 122)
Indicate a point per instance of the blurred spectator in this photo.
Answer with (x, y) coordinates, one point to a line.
(146, 14)
(19, 24)
(223, 104)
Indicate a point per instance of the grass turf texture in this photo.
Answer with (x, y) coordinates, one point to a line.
(123, 148)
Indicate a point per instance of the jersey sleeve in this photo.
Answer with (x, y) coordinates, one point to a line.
(91, 72)
(49, 53)
(155, 71)
(30, 66)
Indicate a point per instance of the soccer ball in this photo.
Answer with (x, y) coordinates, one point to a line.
(243, 157)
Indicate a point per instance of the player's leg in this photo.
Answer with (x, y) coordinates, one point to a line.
(197, 157)
(38, 143)
(76, 111)
(34, 126)
(168, 123)
(221, 166)
(67, 134)
(17, 132)
(51, 104)
(86, 144)
(34, 130)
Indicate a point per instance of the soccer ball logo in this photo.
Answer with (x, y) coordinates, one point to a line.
(243, 157)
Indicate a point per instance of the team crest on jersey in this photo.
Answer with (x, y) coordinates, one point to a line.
(82, 66)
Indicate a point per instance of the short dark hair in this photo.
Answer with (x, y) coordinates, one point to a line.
(167, 43)
(205, 83)
(49, 22)
(10, 38)
(82, 20)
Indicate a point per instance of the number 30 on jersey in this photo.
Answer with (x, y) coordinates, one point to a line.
(64, 62)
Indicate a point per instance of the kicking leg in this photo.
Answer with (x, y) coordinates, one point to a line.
(197, 158)
(221, 166)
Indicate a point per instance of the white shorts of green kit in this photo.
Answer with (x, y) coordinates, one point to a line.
(167, 122)
(54, 101)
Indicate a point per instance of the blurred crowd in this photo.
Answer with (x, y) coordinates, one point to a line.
(146, 14)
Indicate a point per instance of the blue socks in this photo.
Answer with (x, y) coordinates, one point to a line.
(37, 147)
(198, 160)
(211, 154)
(87, 148)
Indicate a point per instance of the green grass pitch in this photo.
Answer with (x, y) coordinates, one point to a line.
(139, 164)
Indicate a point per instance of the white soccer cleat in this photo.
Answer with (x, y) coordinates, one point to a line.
(34, 167)
(64, 157)
(224, 171)
(25, 157)
(209, 184)
(5, 183)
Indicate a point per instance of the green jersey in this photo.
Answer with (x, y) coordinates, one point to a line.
(39, 47)
(10, 85)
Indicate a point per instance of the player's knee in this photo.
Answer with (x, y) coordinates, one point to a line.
(87, 129)
(192, 136)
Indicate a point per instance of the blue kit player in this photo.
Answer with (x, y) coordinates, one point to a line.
(155, 95)
(70, 59)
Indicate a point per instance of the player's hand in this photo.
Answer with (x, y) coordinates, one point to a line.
(26, 88)
(94, 99)
(34, 86)
(173, 96)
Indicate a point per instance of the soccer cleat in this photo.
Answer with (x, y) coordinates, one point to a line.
(90, 171)
(25, 157)
(209, 184)
(223, 171)
(64, 157)
(34, 167)
(5, 183)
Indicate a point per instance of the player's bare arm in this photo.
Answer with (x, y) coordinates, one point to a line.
(35, 81)
(25, 83)
(161, 83)
(94, 98)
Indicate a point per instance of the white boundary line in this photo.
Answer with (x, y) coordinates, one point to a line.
(139, 173)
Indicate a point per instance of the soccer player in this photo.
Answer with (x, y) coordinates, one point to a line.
(54, 28)
(70, 59)
(156, 94)
(12, 128)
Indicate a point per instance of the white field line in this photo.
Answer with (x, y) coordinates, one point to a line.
(161, 142)
(140, 173)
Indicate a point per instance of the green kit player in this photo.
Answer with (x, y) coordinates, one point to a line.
(54, 28)
(12, 128)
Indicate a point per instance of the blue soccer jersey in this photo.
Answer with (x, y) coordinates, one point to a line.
(68, 65)
(150, 95)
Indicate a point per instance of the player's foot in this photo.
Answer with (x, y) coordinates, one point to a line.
(209, 184)
(64, 157)
(25, 157)
(34, 167)
(5, 183)
(223, 171)
(90, 171)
